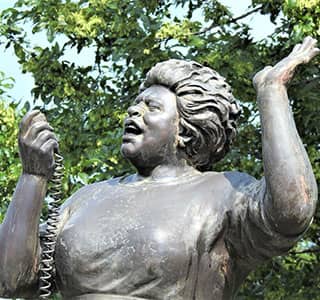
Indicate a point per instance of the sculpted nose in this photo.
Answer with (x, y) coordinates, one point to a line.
(135, 111)
(132, 111)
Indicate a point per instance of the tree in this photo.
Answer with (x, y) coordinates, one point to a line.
(128, 37)
(10, 166)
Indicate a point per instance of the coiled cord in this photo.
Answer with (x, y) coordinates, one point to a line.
(49, 239)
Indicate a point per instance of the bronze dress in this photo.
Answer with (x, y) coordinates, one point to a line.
(196, 237)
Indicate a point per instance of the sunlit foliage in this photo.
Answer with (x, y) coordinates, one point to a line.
(86, 103)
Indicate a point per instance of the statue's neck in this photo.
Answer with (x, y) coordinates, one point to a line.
(166, 172)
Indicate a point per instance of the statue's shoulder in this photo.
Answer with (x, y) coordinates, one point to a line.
(238, 179)
(227, 188)
(234, 179)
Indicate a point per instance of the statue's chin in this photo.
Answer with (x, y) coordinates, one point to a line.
(127, 150)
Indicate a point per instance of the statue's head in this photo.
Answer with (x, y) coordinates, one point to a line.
(204, 111)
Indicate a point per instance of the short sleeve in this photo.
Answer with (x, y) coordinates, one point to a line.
(251, 235)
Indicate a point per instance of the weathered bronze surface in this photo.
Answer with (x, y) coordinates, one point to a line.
(174, 230)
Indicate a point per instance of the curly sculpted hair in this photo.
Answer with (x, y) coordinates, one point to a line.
(206, 107)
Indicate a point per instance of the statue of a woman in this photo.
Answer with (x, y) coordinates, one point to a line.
(174, 230)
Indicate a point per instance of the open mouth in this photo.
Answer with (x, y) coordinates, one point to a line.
(130, 127)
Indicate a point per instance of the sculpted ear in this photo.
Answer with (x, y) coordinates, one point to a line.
(182, 140)
(181, 143)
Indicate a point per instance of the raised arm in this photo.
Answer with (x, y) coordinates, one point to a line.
(19, 233)
(291, 188)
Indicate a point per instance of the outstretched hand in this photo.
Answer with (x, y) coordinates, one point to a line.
(283, 71)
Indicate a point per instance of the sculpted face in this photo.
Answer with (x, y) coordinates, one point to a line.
(150, 130)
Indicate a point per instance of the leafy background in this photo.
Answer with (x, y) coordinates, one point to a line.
(86, 104)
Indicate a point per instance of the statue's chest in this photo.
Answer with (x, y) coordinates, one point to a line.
(127, 227)
(133, 235)
(127, 218)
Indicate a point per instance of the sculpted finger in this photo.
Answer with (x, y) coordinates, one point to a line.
(43, 137)
(308, 43)
(39, 118)
(37, 127)
(27, 120)
(49, 146)
(315, 52)
(309, 55)
(295, 49)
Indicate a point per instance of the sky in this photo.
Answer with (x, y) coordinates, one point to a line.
(23, 85)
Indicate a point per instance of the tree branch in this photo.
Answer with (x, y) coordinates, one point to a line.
(233, 20)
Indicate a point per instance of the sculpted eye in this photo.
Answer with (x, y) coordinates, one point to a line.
(153, 106)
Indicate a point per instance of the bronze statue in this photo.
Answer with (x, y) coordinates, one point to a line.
(174, 230)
